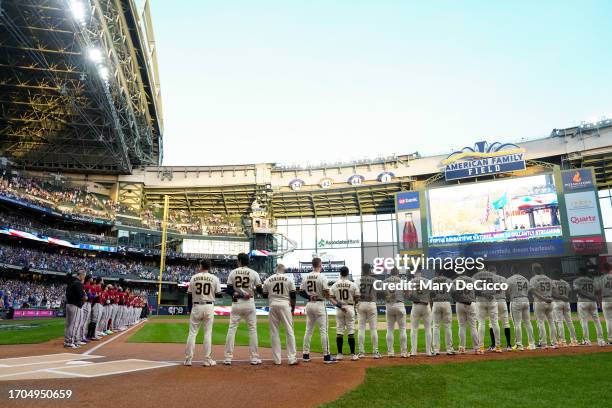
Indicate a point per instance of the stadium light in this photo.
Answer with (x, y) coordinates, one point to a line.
(103, 72)
(95, 55)
(78, 10)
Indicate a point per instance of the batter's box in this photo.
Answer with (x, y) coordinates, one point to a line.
(43, 359)
(110, 368)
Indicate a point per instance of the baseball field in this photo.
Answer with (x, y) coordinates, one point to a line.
(142, 366)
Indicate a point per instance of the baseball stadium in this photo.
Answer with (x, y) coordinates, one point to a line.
(478, 277)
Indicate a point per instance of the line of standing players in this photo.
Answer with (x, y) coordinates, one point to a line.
(432, 308)
(95, 310)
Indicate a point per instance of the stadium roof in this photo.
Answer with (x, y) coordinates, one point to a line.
(79, 88)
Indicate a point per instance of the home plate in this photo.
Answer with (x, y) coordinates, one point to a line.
(111, 368)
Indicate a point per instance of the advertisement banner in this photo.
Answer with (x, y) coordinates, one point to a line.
(582, 213)
(23, 313)
(579, 179)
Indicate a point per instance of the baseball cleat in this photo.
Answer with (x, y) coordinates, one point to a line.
(209, 363)
(554, 346)
(293, 361)
(256, 361)
(480, 351)
(498, 349)
(354, 357)
(82, 343)
(339, 357)
(601, 343)
(361, 355)
(509, 348)
(518, 347)
(450, 352)
(586, 342)
(376, 355)
(462, 350)
(491, 348)
(306, 358)
(574, 343)
(72, 346)
(404, 355)
(227, 362)
(187, 362)
(328, 359)
(532, 346)
(390, 355)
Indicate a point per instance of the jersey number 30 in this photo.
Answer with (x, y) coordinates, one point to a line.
(202, 289)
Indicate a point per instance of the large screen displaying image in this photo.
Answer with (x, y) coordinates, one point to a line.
(501, 210)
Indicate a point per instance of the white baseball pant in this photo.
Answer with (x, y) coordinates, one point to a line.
(588, 310)
(544, 312)
(395, 313)
(420, 312)
(563, 313)
(520, 313)
(488, 310)
(466, 316)
(316, 315)
(200, 315)
(368, 314)
(280, 315)
(242, 310)
(442, 314)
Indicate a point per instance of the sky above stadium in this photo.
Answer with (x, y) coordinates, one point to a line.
(312, 81)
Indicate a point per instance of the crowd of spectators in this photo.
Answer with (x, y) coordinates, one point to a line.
(20, 294)
(68, 262)
(76, 200)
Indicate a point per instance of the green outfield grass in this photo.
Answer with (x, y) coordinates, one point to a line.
(30, 331)
(576, 381)
(176, 332)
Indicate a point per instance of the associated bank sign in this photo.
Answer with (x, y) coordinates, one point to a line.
(483, 159)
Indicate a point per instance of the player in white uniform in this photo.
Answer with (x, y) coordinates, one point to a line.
(367, 311)
(395, 313)
(586, 292)
(203, 288)
(346, 294)
(242, 284)
(465, 297)
(419, 295)
(605, 284)
(486, 308)
(442, 313)
(562, 311)
(502, 312)
(280, 291)
(315, 289)
(518, 294)
(540, 286)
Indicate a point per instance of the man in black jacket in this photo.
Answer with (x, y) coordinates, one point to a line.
(75, 296)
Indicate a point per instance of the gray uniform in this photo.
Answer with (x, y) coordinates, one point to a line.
(395, 313)
(541, 288)
(518, 294)
(441, 312)
(487, 308)
(562, 311)
(605, 284)
(466, 315)
(420, 297)
(586, 289)
(502, 306)
(367, 312)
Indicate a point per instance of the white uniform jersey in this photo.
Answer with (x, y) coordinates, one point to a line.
(203, 286)
(345, 291)
(315, 284)
(278, 287)
(244, 280)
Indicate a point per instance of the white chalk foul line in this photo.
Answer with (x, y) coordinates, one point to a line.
(91, 350)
